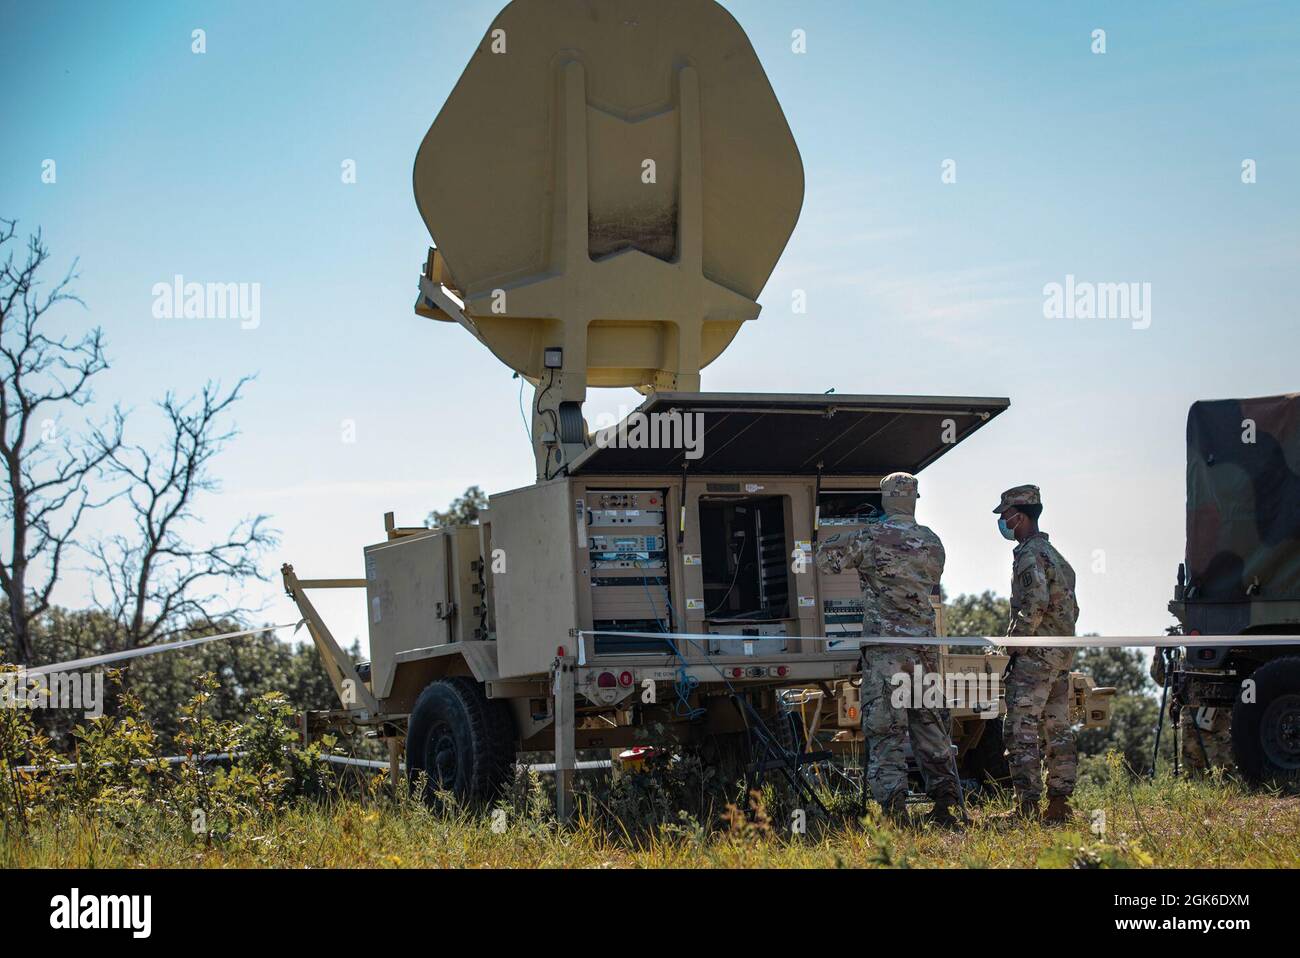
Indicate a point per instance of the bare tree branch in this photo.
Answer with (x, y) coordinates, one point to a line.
(45, 472)
(156, 582)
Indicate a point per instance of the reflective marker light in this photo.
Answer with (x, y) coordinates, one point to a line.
(625, 679)
(606, 680)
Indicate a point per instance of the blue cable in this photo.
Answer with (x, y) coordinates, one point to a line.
(685, 683)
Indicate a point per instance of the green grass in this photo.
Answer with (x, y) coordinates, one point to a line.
(1171, 822)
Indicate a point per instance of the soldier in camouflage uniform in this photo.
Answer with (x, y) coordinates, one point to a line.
(1204, 734)
(899, 563)
(1038, 680)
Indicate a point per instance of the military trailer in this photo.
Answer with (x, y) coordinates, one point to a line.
(609, 186)
(1241, 576)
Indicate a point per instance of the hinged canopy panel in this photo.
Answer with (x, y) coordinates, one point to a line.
(785, 434)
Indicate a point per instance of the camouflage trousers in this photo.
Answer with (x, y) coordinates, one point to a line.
(1038, 713)
(887, 725)
(1205, 748)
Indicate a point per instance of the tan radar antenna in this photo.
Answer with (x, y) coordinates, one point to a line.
(609, 186)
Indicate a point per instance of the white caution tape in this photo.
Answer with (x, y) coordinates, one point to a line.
(74, 664)
(190, 759)
(1010, 642)
(382, 766)
(197, 759)
(138, 762)
(376, 764)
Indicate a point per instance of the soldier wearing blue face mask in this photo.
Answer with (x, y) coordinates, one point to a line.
(1037, 684)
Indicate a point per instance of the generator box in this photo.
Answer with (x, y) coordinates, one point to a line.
(422, 590)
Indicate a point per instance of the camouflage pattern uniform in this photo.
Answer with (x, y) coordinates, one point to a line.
(899, 564)
(1038, 682)
(1204, 734)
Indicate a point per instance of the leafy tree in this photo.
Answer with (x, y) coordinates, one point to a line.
(463, 510)
(983, 614)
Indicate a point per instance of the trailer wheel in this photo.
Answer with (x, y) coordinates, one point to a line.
(460, 740)
(1266, 732)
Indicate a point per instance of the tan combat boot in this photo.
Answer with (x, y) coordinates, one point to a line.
(1058, 810)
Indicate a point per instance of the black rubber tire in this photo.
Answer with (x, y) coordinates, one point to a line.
(1266, 732)
(986, 763)
(461, 739)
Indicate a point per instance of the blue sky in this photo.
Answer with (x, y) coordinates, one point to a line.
(1121, 167)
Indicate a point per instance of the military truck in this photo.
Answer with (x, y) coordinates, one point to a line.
(609, 186)
(1241, 576)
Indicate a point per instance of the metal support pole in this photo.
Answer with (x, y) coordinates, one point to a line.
(566, 753)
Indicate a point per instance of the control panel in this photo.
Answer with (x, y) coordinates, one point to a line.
(626, 537)
(842, 594)
(748, 638)
(626, 552)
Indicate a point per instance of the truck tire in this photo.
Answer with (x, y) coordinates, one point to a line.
(1266, 732)
(461, 741)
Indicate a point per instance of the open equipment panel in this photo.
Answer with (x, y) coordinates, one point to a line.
(844, 513)
(627, 554)
(639, 542)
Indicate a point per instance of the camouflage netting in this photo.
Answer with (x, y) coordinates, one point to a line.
(1243, 498)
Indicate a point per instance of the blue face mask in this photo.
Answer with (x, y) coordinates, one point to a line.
(1005, 529)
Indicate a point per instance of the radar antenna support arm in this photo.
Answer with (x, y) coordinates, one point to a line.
(559, 431)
